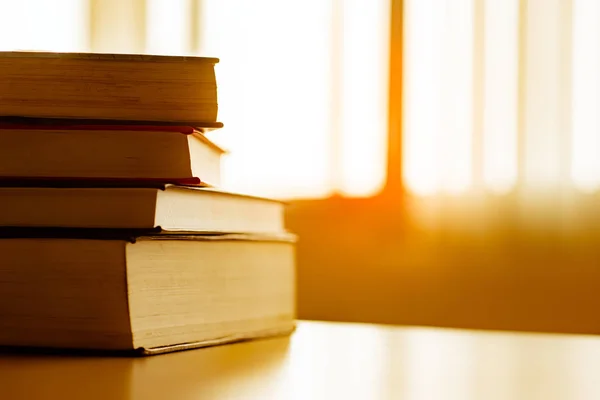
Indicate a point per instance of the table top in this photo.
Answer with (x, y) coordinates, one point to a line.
(328, 361)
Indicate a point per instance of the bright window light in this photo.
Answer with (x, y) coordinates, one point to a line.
(438, 113)
(544, 83)
(457, 96)
(274, 94)
(365, 69)
(41, 25)
(276, 101)
(168, 26)
(501, 64)
(585, 168)
(422, 101)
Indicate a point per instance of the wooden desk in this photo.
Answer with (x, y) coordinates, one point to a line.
(328, 361)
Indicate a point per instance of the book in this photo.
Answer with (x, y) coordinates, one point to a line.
(168, 210)
(151, 295)
(112, 233)
(109, 86)
(97, 154)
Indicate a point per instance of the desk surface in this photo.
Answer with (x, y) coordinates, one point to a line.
(328, 361)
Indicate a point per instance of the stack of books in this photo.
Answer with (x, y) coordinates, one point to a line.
(113, 234)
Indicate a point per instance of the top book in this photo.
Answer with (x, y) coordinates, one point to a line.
(124, 87)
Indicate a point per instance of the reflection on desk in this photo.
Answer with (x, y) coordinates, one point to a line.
(328, 361)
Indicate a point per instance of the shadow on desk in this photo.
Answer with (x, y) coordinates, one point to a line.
(27, 375)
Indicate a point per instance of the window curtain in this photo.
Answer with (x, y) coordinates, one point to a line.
(499, 95)
(502, 96)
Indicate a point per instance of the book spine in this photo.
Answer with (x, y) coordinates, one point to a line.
(189, 127)
(85, 182)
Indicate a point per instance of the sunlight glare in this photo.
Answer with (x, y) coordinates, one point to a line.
(367, 362)
(544, 84)
(585, 168)
(167, 27)
(457, 96)
(42, 25)
(365, 92)
(422, 104)
(438, 112)
(273, 94)
(438, 366)
(500, 94)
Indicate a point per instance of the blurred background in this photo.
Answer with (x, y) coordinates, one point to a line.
(441, 157)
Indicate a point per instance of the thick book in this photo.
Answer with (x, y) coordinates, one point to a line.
(150, 295)
(109, 86)
(106, 154)
(169, 209)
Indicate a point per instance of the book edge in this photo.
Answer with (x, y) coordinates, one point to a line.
(208, 236)
(97, 183)
(219, 191)
(107, 56)
(140, 234)
(20, 122)
(218, 341)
